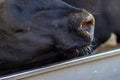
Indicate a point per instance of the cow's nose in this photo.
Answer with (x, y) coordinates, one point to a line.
(86, 27)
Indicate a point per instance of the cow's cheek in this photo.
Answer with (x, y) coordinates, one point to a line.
(32, 42)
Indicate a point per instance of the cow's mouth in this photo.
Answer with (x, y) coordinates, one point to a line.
(76, 52)
(83, 46)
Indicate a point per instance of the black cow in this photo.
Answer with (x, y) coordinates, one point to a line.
(107, 17)
(38, 32)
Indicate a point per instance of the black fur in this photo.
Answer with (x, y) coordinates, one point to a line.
(39, 32)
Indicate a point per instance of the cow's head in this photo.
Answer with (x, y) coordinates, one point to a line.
(31, 28)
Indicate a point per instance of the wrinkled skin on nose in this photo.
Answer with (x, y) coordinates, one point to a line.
(42, 31)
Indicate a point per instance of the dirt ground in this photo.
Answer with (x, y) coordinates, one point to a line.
(110, 44)
(107, 48)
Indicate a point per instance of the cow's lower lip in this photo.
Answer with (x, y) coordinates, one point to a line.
(77, 52)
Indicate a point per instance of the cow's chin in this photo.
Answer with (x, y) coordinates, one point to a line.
(76, 52)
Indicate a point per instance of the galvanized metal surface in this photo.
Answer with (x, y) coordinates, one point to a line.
(103, 66)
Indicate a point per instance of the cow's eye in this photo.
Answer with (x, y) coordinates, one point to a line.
(22, 30)
(19, 30)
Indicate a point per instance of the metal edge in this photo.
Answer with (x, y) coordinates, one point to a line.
(62, 65)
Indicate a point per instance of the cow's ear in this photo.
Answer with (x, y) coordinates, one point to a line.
(2, 5)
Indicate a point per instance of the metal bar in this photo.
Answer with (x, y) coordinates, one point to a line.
(62, 65)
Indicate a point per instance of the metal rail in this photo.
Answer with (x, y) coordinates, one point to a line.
(63, 65)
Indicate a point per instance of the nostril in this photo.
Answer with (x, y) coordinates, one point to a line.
(87, 27)
(88, 21)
